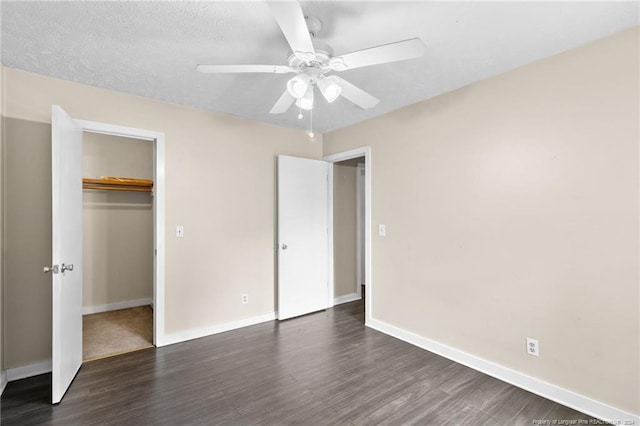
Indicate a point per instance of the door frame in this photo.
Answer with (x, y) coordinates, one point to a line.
(360, 185)
(158, 212)
(365, 152)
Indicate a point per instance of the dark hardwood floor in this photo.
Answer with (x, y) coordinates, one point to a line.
(324, 368)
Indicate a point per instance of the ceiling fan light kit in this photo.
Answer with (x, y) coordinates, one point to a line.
(298, 85)
(306, 101)
(312, 60)
(329, 88)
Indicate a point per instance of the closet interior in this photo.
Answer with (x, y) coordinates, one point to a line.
(117, 245)
(349, 230)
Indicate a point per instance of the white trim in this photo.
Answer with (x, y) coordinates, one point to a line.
(547, 390)
(197, 333)
(348, 155)
(159, 241)
(3, 381)
(360, 170)
(346, 298)
(115, 130)
(87, 310)
(158, 211)
(365, 152)
(29, 370)
(330, 264)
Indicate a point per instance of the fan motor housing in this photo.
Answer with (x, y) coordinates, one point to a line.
(318, 65)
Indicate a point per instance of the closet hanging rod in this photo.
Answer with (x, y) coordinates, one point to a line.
(108, 183)
(115, 181)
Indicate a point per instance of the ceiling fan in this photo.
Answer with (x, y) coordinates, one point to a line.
(312, 61)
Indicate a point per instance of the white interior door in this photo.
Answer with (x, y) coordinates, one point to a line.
(302, 236)
(66, 270)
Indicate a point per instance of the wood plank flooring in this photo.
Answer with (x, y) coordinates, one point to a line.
(322, 369)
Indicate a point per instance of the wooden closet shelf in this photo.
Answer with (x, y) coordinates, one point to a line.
(118, 184)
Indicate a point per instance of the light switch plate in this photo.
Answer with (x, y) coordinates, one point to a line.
(382, 230)
(180, 231)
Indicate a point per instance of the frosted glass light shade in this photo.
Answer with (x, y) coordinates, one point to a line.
(298, 85)
(306, 102)
(329, 88)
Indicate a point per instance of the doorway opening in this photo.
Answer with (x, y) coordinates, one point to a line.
(350, 228)
(156, 139)
(118, 272)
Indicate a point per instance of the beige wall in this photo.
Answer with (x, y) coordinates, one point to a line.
(511, 208)
(219, 185)
(27, 241)
(118, 226)
(344, 230)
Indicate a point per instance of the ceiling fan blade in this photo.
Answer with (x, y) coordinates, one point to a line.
(270, 69)
(290, 18)
(282, 104)
(355, 94)
(398, 51)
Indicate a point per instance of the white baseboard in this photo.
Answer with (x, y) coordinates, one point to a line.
(346, 298)
(547, 390)
(170, 339)
(115, 306)
(28, 370)
(3, 381)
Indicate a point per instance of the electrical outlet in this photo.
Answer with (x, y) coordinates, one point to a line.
(245, 299)
(533, 348)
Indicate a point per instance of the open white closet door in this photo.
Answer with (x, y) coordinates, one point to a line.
(303, 243)
(66, 269)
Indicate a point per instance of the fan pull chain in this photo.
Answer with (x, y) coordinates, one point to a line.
(311, 134)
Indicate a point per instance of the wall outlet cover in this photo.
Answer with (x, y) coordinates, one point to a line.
(533, 347)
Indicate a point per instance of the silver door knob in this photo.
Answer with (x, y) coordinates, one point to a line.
(64, 268)
(48, 269)
(284, 247)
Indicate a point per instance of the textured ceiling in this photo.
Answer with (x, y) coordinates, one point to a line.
(151, 48)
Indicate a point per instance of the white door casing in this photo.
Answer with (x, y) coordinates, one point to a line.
(365, 152)
(66, 216)
(360, 225)
(157, 138)
(303, 241)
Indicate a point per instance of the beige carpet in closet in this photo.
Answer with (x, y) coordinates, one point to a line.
(116, 332)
